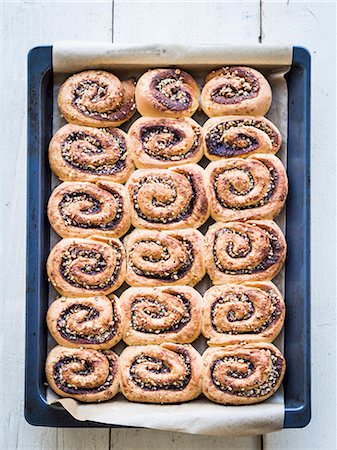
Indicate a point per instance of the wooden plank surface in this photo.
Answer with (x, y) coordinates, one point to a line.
(30, 23)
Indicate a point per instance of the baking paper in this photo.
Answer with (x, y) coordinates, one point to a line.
(199, 416)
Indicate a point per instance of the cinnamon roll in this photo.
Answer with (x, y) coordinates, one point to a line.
(92, 322)
(166, 257)
(242, 374)
(167, 93)
(163, 142)
(97, 99)
(166, 373)
(236, 90)
(237, 252)
(83, 374)
(161, 314)
(86, 267)
(240, 136)
(247, 312)
(78, 153)
(166, 199)
(251, 188)
(81, 209)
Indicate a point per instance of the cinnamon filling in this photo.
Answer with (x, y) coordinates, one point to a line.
(158, 366)
(258, 391)
(157, 309)
(169, 90)
(243, 85)
(98, 336)
(92, 146)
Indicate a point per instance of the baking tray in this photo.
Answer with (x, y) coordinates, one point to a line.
(297, 272)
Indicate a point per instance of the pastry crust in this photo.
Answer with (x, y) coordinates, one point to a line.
(166, 373)
(164, 257)
(79, 153)
(97, 99)
(161, 314)
(162, 142)
(81, 209)
(89, 322)
(86, 267)
(240, 136)
(166, 199)
(243, 189)
(83, 374)
(167, 93)
(247, 312)
(236, 90)
(250, 251)
(242, 374)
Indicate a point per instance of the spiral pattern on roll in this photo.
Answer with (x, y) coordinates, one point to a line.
(165, 373)
(235, 251)
(97, 98)
(252, 188)
(170, 257)
(86, 267)
(93, 322)
(165, 199)
(240, 136)
(242, 374)
(84, 374)
(163, 142)
(247, 312)
(156, 315)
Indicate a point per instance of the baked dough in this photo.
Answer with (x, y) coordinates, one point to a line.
(166, 373)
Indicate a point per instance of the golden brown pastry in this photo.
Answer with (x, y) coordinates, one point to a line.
(243, 189)
(242, 374)
(240, 136)
(86, 267)
(78, 153)
(161, 314)
(90, 322)
(166, 199)
(166, 373)
(235, 90)
(97, 99)
(167, 93)
(237, 252)
(162, 142)
(164, 257)
(247, 312)
(83, 374)
(81, 209)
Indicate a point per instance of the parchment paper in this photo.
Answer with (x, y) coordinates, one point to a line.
(199, 416)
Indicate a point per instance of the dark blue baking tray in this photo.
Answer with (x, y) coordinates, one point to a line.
(297, 326)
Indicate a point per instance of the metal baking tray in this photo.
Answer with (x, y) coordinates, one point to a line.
(297, 274)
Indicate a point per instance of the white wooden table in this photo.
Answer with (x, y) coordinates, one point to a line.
(29, 23)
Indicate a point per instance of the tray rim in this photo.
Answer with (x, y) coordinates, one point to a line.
(36, 410)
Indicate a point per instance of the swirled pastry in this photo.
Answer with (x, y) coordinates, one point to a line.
(236, 90)
(247, 312)
(163, 142)
(237, 252)
(167, 93)
(84, 374)
(81, 209)
(97, 99)
(164, 257)
(166, 199)
(251, 188)
(240, 136)
(242, 374)
(86, 267)
(161, 314)
(78, 153)
(91, 322)
(166, 373)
